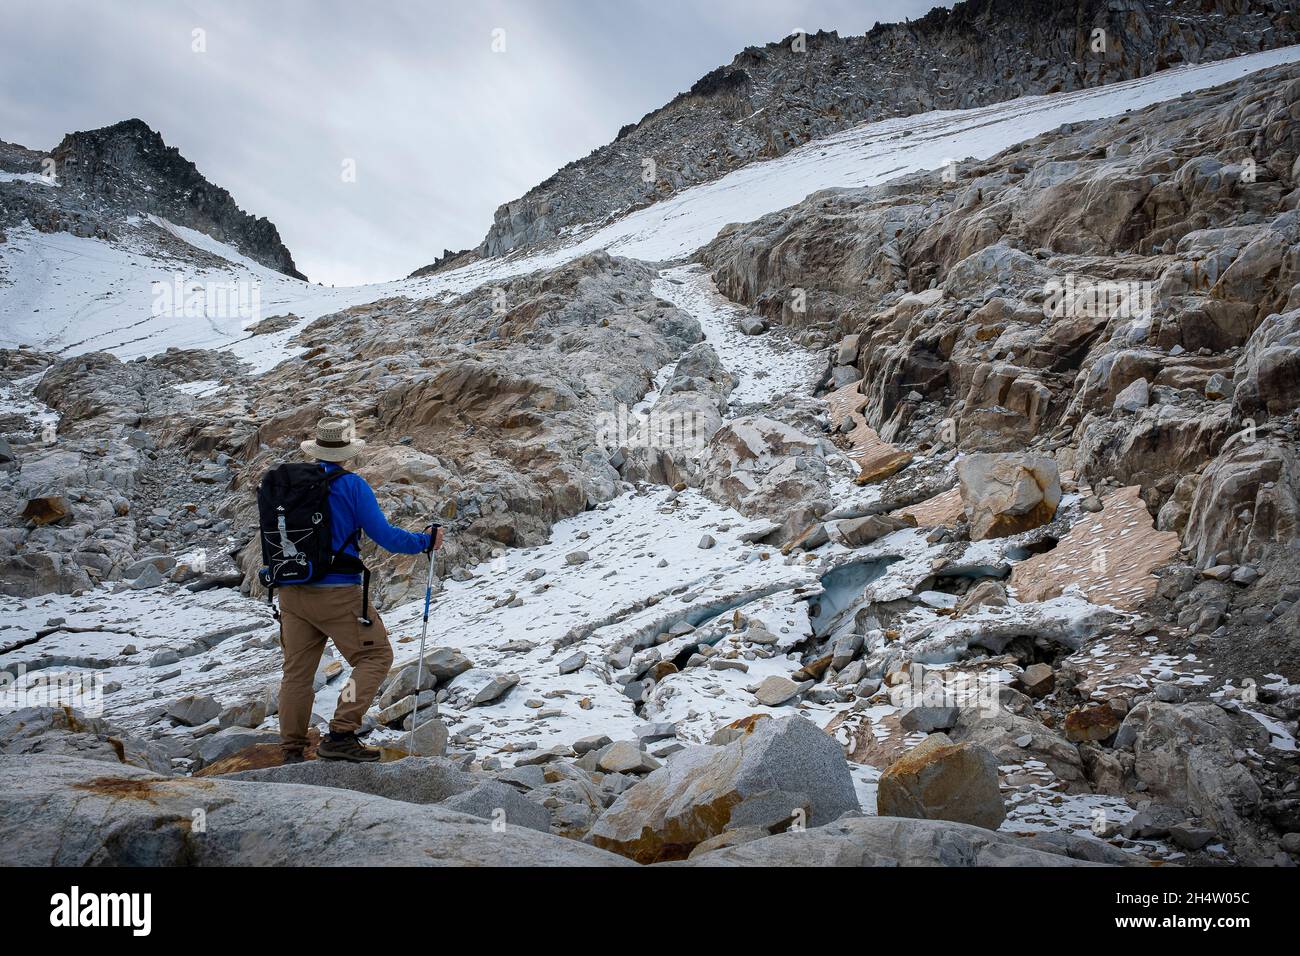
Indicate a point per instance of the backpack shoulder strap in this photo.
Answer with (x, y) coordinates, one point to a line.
(330, 477)
(352, 562)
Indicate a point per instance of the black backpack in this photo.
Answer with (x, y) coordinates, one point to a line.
(293, 506)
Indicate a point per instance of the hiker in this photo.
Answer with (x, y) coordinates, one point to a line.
(323, 584)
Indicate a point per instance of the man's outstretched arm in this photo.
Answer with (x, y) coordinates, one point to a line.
(374, 524)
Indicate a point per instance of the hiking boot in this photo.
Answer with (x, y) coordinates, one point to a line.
(347, 748)
(291, 756)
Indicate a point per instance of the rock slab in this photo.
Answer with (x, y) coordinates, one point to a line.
(65, 811)
(693, 797)
(1008, 493)
(940, 780)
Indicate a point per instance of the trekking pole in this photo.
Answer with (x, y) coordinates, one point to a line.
(424, 634)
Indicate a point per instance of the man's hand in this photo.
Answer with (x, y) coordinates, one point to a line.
(435, 538)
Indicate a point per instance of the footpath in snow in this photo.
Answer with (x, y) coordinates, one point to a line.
(764, 366)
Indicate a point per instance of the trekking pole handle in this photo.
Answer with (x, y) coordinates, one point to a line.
(434, 531)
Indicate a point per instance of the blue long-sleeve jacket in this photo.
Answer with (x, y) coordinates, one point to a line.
(353, 507)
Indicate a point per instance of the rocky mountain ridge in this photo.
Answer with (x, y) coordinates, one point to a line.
(771, 99)
(126, 170)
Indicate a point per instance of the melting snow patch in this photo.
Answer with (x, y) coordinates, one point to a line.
(765, 365)
(1279, 737)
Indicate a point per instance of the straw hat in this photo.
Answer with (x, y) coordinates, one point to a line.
(336, 440)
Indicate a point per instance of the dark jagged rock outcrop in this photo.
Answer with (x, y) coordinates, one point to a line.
(448, 260)
(771, 99)
(126, 169)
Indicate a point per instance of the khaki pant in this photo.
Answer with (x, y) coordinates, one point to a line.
(308, 616)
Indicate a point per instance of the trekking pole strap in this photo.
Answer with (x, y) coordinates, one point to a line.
(365, 598)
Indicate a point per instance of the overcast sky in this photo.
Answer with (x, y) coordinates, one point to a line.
(441, 128)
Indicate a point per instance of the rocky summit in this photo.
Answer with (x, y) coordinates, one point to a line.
(109, 177)
(905, 473)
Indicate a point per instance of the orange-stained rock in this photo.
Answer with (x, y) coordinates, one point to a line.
(1094, 722)
(1008, 493)
(876, 458)
(1109, 556)
(940, 780)
(257, 757)
(46, 510)
(946, 508)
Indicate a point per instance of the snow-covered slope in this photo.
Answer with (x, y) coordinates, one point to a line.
(875, 152)
(63, 292)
